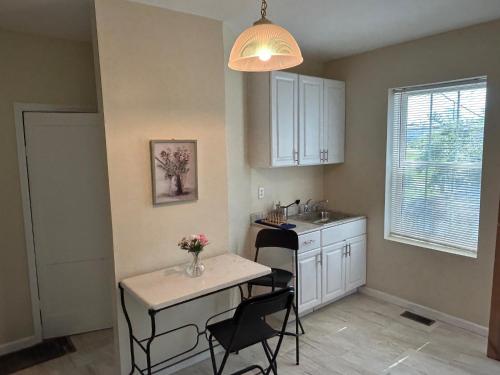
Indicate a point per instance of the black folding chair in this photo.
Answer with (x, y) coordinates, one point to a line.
(247, 327)
(280, 278)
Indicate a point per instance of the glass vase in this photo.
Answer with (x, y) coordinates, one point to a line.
(196, 267)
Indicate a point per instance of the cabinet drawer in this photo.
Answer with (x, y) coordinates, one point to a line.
(309, 241)
(343, 231)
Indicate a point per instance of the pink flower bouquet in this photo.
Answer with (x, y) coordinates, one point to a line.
(194, 244)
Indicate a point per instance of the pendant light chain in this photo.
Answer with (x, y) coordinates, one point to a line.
(263, 9)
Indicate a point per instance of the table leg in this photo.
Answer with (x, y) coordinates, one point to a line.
(130, 332)
(297, 344)
(152, 315)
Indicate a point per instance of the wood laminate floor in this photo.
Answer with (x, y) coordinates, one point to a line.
(355, 336)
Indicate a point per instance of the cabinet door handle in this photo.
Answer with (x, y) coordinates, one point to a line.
(349, 249)
(308, 242)
(326, 156)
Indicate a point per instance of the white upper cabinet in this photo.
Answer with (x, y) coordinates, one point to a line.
(310, 120)
(284, 126)
(334, 121)
(294, 120)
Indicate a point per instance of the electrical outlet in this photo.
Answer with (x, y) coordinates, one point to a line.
(261, 192)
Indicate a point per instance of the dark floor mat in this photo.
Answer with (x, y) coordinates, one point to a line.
(45, 351)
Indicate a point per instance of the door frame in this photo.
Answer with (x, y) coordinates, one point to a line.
(19, 110)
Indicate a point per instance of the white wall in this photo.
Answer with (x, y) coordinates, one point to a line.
(452, 284)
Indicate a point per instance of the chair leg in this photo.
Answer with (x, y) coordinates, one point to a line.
(297, 317)
(269, 353)
(212, 354)
(223, 364)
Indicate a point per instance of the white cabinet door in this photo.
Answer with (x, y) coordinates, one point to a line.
(310, 120)
(334, 121)
(356, 263)
(309, 289)
(284, 119)
(333, 285)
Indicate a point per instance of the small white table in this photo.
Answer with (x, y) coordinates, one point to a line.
(160, 290)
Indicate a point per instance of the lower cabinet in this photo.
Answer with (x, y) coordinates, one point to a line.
(309, 265)
(331, 263)
(333, 269)
(333, 275)
(355, 263)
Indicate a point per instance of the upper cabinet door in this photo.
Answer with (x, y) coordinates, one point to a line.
(310, 120)
(284, 119)
(334, 122)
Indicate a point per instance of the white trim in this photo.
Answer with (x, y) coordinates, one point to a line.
(19, 109)
(16, 345)
(426, 311)
(388, 165)
(431, 246)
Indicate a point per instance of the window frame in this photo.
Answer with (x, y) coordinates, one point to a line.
(388, 217)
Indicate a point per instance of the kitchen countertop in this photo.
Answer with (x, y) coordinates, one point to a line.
(304, 227)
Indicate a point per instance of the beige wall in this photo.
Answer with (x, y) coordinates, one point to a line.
(162, 75)
(238, 169)
(449, 283)
(33, 69)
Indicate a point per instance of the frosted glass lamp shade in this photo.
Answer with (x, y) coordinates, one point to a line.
(264, 47)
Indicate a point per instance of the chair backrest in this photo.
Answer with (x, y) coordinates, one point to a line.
(264, 305)
(287, 239)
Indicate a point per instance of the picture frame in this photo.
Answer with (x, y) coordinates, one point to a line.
(174, 171)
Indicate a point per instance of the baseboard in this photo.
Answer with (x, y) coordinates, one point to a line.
(16, 345)
(426, 311)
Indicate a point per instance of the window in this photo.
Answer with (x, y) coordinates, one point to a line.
(434, 161)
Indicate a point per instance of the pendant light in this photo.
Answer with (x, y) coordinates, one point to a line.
(264, 47)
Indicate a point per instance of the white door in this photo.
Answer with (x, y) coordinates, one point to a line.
(334, 121)
(310, 119)
(284, 121)
(333, 271)
(309, 264)
(356, 263)
(71, 224)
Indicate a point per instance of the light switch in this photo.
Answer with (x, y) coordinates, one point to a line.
(261, 192)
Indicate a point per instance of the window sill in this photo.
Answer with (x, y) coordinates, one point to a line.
(427, 245)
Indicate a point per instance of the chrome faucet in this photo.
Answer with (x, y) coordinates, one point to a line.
(307, 206)
(319, 204)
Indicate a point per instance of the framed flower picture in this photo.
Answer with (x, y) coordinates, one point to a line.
(174, 171)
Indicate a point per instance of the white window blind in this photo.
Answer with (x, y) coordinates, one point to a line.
(435, 150)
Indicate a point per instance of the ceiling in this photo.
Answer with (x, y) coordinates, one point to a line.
(325, 29)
